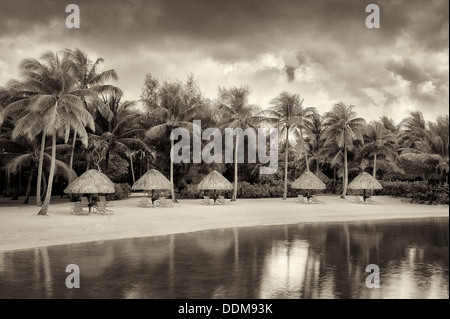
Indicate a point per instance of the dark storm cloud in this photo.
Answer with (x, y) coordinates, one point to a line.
(319, 47)
(214, 24)
(408, 70)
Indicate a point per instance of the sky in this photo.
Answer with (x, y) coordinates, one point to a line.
(319, 49)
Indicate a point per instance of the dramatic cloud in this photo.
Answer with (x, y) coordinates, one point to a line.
(319, 49)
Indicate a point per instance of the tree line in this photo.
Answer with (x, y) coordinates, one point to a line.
(64, 116)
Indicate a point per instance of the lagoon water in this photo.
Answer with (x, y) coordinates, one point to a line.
(323, 260)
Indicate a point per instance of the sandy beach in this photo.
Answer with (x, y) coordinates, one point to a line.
(21, 228)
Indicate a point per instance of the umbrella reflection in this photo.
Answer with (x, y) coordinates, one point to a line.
(284, 270)
(296, 261)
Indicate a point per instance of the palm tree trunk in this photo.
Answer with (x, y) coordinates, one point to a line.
(8, 184)
(374, 170)
(172, 187)
(140, 167)
(27, 195)
(107, 160)
(375, 166)
(20, 182)
(345, 182)
(44, 189)
(234, 197)
(305, 151)
(72, 152)
(334, 180)
(44, 209)
(17, 188)
(132, 168)
(317, 165)
(39, 177)
(286, 159)
(88, 161)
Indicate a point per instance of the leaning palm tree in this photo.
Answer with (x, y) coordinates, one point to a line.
(237, 113)
(175, 110)
(88, 77)
(343, 128)
(380, 143)
(54, 108)
(288, 114)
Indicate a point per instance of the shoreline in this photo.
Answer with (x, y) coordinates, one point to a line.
(21, 228)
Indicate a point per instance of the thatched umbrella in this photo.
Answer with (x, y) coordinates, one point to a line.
(324, 178)
(150, 181)
(91, 182)
(364, 181)
(214, 181)
(308, 181)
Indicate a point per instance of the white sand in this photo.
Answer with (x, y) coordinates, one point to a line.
(21, 228)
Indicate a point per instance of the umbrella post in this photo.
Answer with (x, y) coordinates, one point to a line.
(90, 203)
(153, 196)
(214, 196)
(364, 194)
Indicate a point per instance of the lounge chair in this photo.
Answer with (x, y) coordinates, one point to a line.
(103, 199)
(162, 202)
(101, 209)
(357, 199)
(315, 200)
(207, 201)
(84, 201)
(369, 200)
(221, 200)
(301, 199)
(77, 209)
(144, 202)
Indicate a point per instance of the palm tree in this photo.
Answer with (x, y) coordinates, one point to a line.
(121, 134)
(26, 155)
(237, 113)
(314, 131)
(175, 110)
(429, 140)
(414, 128)
(288, 114)
(343, 128)
(380, 142)
(389, 124)
(54, 107)
(88, 77)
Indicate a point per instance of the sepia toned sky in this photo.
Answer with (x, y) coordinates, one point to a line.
(320, 49)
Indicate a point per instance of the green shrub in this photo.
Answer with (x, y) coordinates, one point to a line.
(401, 189)
(269, 190)
(419, 192)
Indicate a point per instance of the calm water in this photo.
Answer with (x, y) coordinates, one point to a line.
(294, 261)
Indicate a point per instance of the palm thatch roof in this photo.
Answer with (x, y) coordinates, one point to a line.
(91, 182)
(152, 179)
(324, 178)
(215, 180)
(308, 181)
(364, 181)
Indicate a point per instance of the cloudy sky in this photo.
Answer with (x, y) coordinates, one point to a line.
(320, 49)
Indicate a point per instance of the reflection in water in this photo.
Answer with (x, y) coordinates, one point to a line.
(292, 261)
